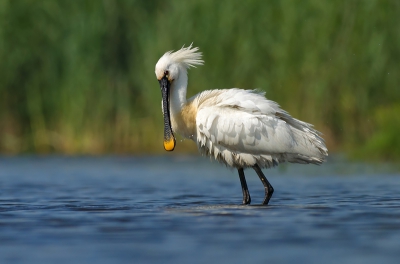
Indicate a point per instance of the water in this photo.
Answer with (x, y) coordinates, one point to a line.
(177, 209)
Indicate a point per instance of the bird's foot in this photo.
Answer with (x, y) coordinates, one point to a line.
(246, 199)
(268, 194)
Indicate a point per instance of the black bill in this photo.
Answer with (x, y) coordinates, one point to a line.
(169, 139)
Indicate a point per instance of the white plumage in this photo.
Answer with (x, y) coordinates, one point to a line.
(237, 127)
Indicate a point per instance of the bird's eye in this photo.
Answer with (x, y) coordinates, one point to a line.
(166, 73)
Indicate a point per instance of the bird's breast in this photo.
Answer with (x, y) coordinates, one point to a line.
(184, 121)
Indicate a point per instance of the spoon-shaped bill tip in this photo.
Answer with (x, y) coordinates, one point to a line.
(169, 144)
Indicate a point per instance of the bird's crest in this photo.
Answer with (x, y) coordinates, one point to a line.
(187, 57)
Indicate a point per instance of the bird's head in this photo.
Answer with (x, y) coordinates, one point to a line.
(168, 69)
(172, 63)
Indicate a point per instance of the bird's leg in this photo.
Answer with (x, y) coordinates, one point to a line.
(245, 190)
(269, 190)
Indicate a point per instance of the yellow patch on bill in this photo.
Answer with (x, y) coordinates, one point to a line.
(169, 145)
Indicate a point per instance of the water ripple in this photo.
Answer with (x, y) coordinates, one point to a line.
(102, 210)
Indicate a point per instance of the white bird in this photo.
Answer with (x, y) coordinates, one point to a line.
(239, 128)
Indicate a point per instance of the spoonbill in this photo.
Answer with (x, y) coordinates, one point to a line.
(239, 128)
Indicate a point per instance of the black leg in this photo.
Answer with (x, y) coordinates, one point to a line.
(245, 190)
(269, 190)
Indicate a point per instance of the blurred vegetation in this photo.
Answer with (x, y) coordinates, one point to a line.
(78, 76)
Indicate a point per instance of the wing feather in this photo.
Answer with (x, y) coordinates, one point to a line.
(242, 127)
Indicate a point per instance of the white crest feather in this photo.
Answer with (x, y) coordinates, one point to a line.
(187, 57)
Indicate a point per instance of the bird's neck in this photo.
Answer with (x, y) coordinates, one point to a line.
(178, 93)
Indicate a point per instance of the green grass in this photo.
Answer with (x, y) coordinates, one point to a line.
(78, 76)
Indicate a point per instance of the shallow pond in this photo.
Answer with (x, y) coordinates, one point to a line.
(185, 209)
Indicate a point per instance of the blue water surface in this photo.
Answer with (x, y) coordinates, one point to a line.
(185, 209)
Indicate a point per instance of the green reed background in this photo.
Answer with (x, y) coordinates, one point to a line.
(78, 76)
